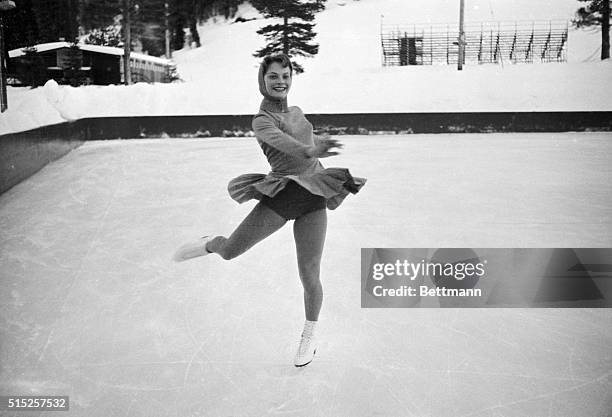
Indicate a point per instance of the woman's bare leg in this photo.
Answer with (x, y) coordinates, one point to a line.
(259, 224)
(309, 233)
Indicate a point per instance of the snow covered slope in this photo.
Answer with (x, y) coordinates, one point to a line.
(349, 36)
(346, 76)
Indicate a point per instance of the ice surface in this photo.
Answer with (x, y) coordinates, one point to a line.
(92, 306)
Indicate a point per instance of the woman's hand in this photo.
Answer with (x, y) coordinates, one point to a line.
(323, 146)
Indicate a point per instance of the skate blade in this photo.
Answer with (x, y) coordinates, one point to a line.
(304, 364)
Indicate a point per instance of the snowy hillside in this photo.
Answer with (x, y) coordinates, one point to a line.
(349, 36)
(347, 75)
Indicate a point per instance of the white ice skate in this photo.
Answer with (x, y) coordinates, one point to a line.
(306, 351)
(192, 249)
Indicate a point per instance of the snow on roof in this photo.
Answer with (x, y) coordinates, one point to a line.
(108, 50)
(42, 47)
(150, 58)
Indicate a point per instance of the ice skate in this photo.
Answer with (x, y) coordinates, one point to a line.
(306, 351)
(192, 249)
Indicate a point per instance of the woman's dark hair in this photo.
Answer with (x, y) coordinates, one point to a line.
(282, 59)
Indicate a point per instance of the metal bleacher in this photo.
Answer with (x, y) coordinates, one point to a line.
(485, 42)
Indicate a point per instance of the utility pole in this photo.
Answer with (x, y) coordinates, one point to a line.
(127, 42)
(5, 5)
(461, 39)
(605, 29)
(167, 23)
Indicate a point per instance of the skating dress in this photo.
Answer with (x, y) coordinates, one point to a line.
(284, 135)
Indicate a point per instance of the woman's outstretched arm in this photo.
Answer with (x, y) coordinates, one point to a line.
(266, 131)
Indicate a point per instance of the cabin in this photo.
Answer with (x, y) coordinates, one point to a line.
(100, 65)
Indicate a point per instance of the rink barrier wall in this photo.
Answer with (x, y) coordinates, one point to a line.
(353, 123)
(24, 153)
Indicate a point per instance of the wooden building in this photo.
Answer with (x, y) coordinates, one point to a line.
(101, 65)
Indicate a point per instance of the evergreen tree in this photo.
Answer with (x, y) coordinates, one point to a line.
(108, 36)
(191, 12)
(225, 8)
(37, 21)
(96, 14)
(178, 32)
(20, 27)
(100, 19)
(188, 13)
(55, 19)
(148, 26)
(148, 20)
(73, 74)
(596, 13)
(31, 69)
(290, 37)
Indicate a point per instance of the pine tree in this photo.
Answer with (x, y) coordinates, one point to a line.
(108, 36)
(31, 69)
(178, 32)
(188, 13)
(148, 25)
(148, 20)
(97, 14)
(100, 19)
(596, 13)
(56, 19)
(290, 37)
(225, 8)
(20, 27)
(193, 11)
(73, 74)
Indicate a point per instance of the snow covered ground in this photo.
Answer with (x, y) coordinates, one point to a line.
(346, 76)
(92, 307)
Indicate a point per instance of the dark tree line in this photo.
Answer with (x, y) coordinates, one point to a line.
(40, 21)
(101, 22)
(37, 21)
(146, 20)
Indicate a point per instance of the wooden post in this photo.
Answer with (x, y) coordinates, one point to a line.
(605, 29)
(167, 23)
(5, 5)
(3, 95)
(127, 42)
(461, 39)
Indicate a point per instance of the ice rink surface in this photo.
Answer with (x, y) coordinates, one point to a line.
(93, 307)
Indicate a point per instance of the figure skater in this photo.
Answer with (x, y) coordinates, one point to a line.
(297, 188)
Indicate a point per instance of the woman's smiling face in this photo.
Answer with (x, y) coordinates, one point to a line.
(278, 80)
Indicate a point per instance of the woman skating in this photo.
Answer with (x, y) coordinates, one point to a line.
(297, 188)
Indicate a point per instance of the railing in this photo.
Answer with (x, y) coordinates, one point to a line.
(486, 42)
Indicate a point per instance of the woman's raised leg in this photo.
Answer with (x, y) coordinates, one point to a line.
(260, 223)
